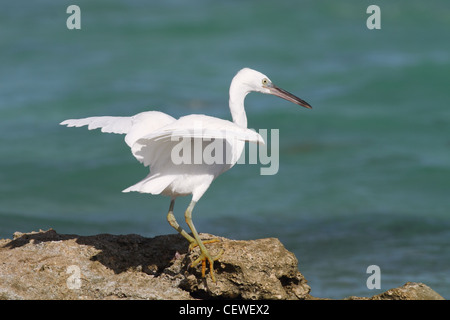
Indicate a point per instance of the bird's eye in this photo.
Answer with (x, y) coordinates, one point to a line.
(265, 81)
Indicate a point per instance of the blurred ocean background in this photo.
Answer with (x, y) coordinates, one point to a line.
(364, 176)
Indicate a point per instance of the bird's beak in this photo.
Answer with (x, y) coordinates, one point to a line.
(276, 91)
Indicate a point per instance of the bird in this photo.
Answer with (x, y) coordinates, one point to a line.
(165, 144)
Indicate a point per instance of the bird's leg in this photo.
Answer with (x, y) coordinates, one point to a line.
(173, 222)
(204, 253)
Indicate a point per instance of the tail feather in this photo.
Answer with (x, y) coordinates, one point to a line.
(154, 184)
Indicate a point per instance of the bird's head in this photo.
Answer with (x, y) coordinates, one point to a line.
(253, 80)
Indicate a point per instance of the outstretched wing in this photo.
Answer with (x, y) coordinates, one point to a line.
(134, 127)
(204, 127)
(108, 124)
(148, 148)
(145, 123)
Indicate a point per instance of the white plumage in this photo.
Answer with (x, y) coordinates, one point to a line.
(153, 137)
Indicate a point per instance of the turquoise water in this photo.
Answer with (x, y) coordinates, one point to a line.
(364, 177)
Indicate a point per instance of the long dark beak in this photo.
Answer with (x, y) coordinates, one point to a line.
(276, 91)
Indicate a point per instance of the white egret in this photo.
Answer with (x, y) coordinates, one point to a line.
(152, 137)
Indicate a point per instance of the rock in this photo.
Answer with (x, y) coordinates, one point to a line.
(254, 269)
(48, 265)
(409, 291)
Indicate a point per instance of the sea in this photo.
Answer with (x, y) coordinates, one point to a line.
(363, 178)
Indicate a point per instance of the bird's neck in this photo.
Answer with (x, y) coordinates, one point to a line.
(237, 97)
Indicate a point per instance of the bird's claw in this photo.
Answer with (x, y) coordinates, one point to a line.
(205, 256)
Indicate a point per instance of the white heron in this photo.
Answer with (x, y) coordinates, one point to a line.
(153, 135)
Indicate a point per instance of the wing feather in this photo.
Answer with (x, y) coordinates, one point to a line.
(107, 124)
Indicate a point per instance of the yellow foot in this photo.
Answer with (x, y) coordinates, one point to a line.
(205, 256)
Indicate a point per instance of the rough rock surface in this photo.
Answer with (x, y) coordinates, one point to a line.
(409, 291)
(48, 265)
